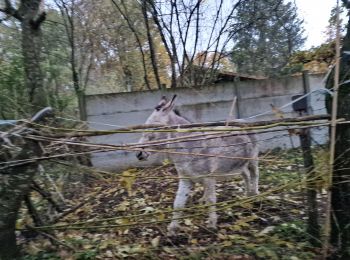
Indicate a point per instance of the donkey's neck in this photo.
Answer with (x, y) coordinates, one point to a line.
(178, 120)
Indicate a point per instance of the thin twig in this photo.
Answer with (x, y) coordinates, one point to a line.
(325, 248)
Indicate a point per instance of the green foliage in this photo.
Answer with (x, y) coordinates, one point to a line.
(316, 59)
(12, 92)
(55, 68)
(332, 23)
(55, 64)
(106, 42)
(86, 255)
(292, 231)
(271, 32)
(42, 256)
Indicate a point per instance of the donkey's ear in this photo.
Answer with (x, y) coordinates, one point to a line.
(169, 105)
(163, 101)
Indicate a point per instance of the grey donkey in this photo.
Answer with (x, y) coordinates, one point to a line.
(229, 154)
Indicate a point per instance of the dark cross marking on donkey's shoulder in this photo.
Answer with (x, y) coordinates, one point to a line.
(192, 167)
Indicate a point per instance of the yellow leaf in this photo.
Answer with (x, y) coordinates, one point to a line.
(247, 205)
(125, 221)
(32, 249)
(250, 245)
(222, 236)
(160, 216)
(87, 246)
(127, 180)
(194, 241)
(227, 243)
(19, 224)
(104, 244)
(168, 250)
(166, 162)
(123, 206)
(289, 245)
(236, 228)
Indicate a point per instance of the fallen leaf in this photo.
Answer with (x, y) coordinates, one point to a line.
(155, 241)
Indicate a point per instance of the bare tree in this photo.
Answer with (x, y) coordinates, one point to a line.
(124, 12)
(150, 43)
(184, 27)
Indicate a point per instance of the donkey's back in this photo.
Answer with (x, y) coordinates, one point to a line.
(217, 154)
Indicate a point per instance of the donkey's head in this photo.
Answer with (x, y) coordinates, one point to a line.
(162, 114)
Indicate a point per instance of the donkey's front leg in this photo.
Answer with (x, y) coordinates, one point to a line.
(247, 181)
(210, 196)
(254, 172)
(182, 194)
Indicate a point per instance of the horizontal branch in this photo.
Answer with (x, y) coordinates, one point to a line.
(166, 128)
(16, 163)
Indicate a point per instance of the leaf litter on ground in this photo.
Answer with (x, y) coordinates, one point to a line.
(269, 228)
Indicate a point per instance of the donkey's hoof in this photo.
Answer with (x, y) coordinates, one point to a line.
(212, 224)
(173, 229)
(252, 193)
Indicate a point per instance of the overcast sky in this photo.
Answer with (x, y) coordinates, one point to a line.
(315, 14)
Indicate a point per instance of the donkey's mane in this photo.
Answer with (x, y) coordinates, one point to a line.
(177, 112)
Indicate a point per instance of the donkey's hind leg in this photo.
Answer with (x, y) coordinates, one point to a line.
(182, 194)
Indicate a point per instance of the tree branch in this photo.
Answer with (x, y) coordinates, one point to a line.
(137, 38)
(10, 10)
(37, 22)
(144, 8)
(46, 195)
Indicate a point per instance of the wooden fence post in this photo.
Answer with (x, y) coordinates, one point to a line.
(313, 228)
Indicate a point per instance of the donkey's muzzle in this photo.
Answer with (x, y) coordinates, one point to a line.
(140, 156)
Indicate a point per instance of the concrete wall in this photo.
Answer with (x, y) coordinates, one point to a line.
(109, 111)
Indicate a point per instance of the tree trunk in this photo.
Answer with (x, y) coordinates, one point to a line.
(151, 45)
(340, 235)
(15, 181)
(82, 105)
(313, 228)
(340, 232)
(31, 49)
(14, 186)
